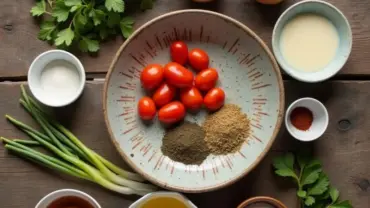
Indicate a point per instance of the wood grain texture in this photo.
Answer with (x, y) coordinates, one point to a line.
(19, 44)
(344, 153)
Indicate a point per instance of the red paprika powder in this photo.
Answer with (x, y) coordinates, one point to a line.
(301, 118)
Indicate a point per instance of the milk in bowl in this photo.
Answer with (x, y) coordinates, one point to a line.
(309, 42)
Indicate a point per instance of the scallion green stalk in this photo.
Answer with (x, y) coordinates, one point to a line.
(26, 142)
(50, 158)
(43, 161)
(92, 172)
(42, 122)
(33, 104)
(65, 144)
(105, 171)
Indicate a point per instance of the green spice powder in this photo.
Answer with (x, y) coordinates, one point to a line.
(185, 143)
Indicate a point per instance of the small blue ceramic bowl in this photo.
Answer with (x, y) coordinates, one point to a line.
(345, 39)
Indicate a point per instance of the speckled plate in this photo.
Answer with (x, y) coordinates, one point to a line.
(248, 73)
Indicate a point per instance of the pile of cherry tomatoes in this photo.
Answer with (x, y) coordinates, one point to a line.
(165, 82)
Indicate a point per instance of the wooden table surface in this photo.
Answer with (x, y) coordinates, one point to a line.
(344, 152)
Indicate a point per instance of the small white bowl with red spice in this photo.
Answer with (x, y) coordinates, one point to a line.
(306, 119)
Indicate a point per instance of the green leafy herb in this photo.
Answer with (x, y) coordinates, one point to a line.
(39, 9)
(60, 11)
(46, 30)
(284, 166)
(65, 37)
(334, 194)
(309, 201)
(72, 2)
(320, 186)
(342, 204)
(126, 26)
(115, 5)
(87, 44)
(314, 188)
(83, 23)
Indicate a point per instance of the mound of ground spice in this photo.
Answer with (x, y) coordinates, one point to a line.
(185, 143)
(226, 129)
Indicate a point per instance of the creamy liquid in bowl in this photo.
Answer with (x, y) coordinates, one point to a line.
(309, 42)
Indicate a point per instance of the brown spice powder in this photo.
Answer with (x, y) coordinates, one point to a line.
(226, 129)
(185, 143)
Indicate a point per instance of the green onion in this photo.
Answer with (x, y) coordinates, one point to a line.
(80, 173)
(42, 123)
(67, 149)
(108, 164)
(42, 160)
(26, 142)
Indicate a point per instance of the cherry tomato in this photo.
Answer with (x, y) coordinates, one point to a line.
(198, 59)
(206, 79)
(171, 113)
(146, 108)
(178, 75)
(179, 52)
(214, 99)
(164, 94)
(191, 98)
(152, 76)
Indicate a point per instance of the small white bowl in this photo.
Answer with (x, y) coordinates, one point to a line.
(44, 202)
(36, 69)
(175, 195)
(319, 124)
(345, 39)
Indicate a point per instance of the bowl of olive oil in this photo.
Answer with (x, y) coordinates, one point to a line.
(163, 199)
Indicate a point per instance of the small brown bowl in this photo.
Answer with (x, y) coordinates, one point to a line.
(263, 199)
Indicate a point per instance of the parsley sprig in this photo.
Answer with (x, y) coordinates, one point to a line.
(83, 23)
(314, 188)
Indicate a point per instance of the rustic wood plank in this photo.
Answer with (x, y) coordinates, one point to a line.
(19, 44)
(344, 153)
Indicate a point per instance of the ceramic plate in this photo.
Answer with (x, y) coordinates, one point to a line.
(248, 73)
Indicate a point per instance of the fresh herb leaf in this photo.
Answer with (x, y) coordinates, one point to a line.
(286, 173)
(54, 34)
(39, 9)
(83, 23)
(324, 196)
(342, 204)
(113, 19)
(60, 11)
(284, 162)
(314, 164)
(301, 193)
(75, 8)
(127, 21)
(320, 186)
(81, 19)
(87, 44)
(97, 16)
(115, 5)
(65, 37)
(72, 2)
(311, 173)
(309, 201)
(334, 194)
(46, 30)
(126, 26)
(313, 185)
(146, 4)
(103, 33)
(284, 166)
